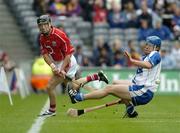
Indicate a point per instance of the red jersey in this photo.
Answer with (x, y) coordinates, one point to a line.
(56, 44)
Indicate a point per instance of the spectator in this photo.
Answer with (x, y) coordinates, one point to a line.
(144, 30)
(87, 6)
(116, 46)
(124, 3)
(168, 15)
(161, 31)
(109, 3)
(98, 46)
(119, 60)
(176, 17)
(99, 12)
(144, 13)
(86, 62)
(176, 23)
(40, 7)
(176, 53)
(131, 16)
(131, 45)
(173, 5)
(8, 64)
(56, 8)
(79, 55)
(159, 7)
(149, 3)
(116, 18)
(82, 60)
(167, 61)
(176, 30)
(74, 8)
(2, 54)
(104, 59)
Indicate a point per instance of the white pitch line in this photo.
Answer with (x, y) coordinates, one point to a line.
(38, 122)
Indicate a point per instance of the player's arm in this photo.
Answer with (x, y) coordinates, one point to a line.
(144, 64)
(49, 61)
(66, 61)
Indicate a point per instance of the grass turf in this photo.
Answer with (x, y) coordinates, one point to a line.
(162, 115)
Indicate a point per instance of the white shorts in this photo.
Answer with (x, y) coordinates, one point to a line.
(72, 69)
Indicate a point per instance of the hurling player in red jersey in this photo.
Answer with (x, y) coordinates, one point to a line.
(57, 51)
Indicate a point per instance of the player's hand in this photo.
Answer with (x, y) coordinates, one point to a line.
(62, 73)
(128, 56)
(54, 68)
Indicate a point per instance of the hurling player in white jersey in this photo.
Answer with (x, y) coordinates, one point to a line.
(141, 88)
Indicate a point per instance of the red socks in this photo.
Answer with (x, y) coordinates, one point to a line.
(52, 108)
(92, 77)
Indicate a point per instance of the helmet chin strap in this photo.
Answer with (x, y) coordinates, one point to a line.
(154, 49)
(47, 33)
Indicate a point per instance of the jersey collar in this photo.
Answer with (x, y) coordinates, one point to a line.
(52, 30)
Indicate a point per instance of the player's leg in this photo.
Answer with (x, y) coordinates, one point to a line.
(127, 82)
(93, 77)
(140, 95)
(76, 84)
(54, 81)
(121, 91)
(96, 76)
(130, 109)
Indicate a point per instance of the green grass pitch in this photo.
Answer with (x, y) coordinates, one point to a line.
(162, 115)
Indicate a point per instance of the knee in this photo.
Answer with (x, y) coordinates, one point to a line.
(49, 88)
(115, 82)
(108, 89)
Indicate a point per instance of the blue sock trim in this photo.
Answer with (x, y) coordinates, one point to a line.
(82, 96)
(79, 97)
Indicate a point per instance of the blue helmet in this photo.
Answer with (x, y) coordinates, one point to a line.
(154, 40)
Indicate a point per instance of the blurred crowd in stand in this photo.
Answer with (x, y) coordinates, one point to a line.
(149, 17)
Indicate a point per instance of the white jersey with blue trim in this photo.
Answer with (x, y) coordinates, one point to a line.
(148, 77)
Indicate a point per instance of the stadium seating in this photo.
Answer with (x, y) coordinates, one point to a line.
(80, 32)
(130, 34)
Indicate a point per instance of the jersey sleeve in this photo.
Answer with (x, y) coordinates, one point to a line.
(154, 58)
